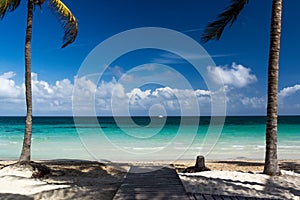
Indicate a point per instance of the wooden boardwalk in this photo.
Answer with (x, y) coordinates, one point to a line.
(151, 182)
(161, 182)
(198, 196)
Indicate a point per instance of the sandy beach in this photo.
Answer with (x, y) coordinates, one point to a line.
(243, 178)
(71, 179)
(68, 180)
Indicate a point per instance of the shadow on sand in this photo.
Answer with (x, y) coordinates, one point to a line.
(283, 165)
(236, 188)
(82, 180)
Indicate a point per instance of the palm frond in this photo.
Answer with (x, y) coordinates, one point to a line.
(8, 5)
(215, 29)
(67, 19)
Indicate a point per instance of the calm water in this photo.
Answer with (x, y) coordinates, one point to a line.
(147, 139)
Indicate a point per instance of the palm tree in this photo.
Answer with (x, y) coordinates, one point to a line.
(70, 33)
(214, 31)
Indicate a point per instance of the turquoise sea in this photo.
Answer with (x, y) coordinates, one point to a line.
(144, 138)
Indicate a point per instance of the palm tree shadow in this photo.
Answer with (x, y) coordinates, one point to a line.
(290, 166)
(8, 196)
(237, 188)
(242, 163)
(283, 186)
(78, 180)
(283, 165)
(84, 180)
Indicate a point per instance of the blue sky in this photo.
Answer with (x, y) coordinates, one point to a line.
(240, 56)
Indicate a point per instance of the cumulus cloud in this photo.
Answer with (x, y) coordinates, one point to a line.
(237, 76)
(288, 91)
(171, 99)
(46, 97)
(56, 98)
(289, 100)
(8, 88)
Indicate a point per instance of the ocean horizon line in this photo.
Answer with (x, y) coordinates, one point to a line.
(149, 116)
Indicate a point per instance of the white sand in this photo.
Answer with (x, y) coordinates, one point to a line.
(69, 180)
(92, 180)
(25, 186)
(16, 181)
(286, 186)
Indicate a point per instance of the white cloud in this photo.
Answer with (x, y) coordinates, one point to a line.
(289, 100)
(288, 91)
(237, 76)
(56, 99)
(8, 88)
(173, 100)
(112, 96)
(254, 102)
(51, 98)
(137, 94)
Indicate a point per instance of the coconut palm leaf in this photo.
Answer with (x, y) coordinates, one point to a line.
(68, 20)
(215, 29)
(8, 5)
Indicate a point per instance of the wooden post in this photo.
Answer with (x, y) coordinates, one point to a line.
(200, 164)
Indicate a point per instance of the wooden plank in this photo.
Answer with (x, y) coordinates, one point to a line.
(199, 196)
(241, 198)
(150, 196)
(191, 196)
(151, 182)
(222, 197)
(208, 197)
(157, 182)
(218, 197)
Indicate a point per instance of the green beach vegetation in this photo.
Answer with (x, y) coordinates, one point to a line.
(215, 29)
(70, 33)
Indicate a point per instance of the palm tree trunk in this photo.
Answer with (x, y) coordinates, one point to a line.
(271, 162)
(25, 155)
